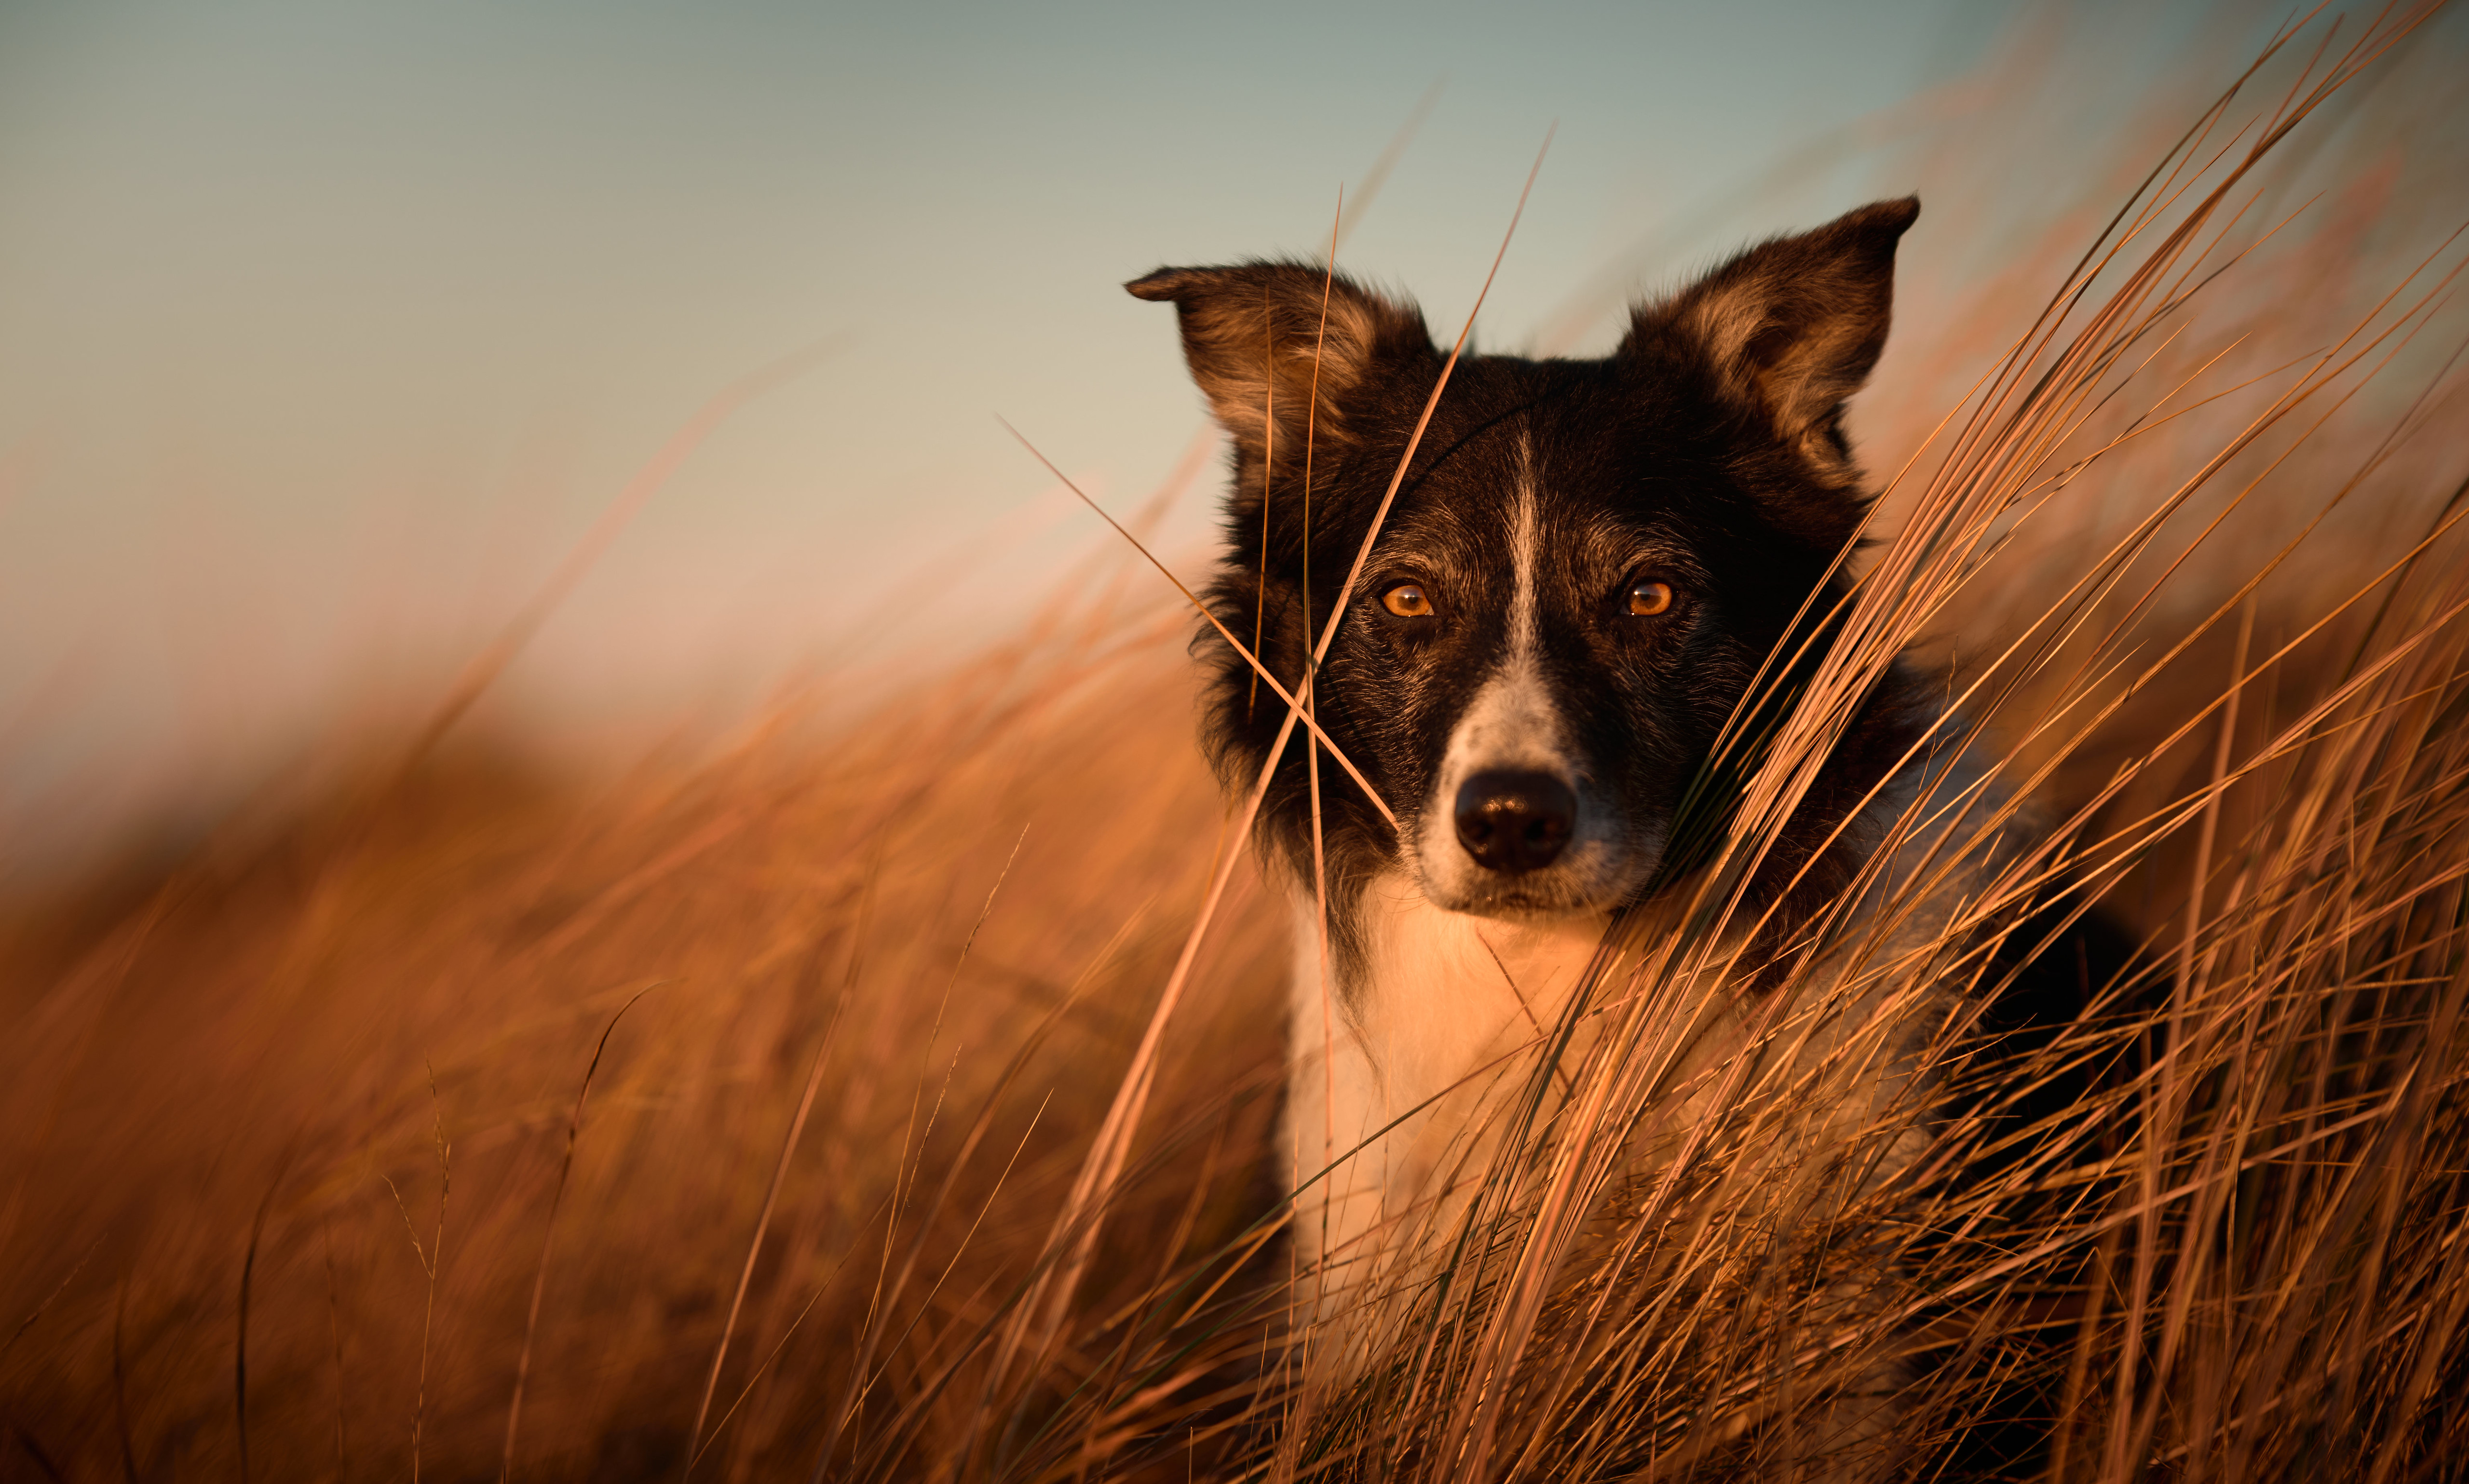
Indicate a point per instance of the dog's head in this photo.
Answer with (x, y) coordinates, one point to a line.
(1583, 569)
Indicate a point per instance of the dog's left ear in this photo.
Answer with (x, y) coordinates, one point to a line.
(1792, 327)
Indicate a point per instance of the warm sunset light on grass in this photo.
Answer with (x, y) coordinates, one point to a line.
(729, 1094)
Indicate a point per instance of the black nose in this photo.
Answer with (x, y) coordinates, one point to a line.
(1515, 822)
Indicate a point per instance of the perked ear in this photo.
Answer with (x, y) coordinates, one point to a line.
(1793, 326)
(1257, 340)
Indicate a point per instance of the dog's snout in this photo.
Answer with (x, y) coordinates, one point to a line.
(1515, 822)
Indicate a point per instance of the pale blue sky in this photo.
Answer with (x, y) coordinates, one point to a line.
(326, 328)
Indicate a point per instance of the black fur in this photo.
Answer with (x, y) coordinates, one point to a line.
(1707, 451)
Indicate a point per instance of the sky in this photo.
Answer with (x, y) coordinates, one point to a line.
(327, 330)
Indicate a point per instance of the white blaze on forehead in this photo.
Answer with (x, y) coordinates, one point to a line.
(1525, 625)
(1512, 721)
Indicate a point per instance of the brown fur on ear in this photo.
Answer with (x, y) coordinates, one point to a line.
(1250, 333)
(1793, 326)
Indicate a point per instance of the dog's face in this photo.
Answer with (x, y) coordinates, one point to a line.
(1583, 568)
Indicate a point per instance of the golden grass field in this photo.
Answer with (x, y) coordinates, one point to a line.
(749, 1116)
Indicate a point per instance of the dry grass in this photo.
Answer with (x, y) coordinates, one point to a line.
(2230, 1249)
(740, 1117)
(278, 1029)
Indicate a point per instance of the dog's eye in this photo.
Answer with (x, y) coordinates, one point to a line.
(1648, 597)
(1407, 600)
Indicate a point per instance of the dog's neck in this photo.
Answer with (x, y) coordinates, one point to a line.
(1401, 1049)
(1411, 1053)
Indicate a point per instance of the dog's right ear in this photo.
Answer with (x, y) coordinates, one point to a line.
(1278, 347)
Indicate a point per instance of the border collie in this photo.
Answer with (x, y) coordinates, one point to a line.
(1582, 572)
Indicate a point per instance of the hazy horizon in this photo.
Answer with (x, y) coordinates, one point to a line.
(325, 331)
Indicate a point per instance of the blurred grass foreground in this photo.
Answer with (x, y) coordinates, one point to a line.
(806, 1111)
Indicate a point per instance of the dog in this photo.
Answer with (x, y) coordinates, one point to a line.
(1574, 583)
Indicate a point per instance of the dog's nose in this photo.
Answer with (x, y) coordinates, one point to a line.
(1515, 822)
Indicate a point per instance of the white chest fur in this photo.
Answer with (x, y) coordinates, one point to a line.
(1399, 1089)
(1403, 1089)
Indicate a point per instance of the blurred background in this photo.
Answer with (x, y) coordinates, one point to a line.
(329, 329)
(349, 350)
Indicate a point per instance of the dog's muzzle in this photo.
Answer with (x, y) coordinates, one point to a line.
(1515, 822)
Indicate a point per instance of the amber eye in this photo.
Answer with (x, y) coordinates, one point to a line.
(1407, 600)
(1648, 597)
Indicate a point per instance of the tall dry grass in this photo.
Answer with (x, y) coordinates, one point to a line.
(2226, 1250)
(337, 1064)
(767, 1117)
